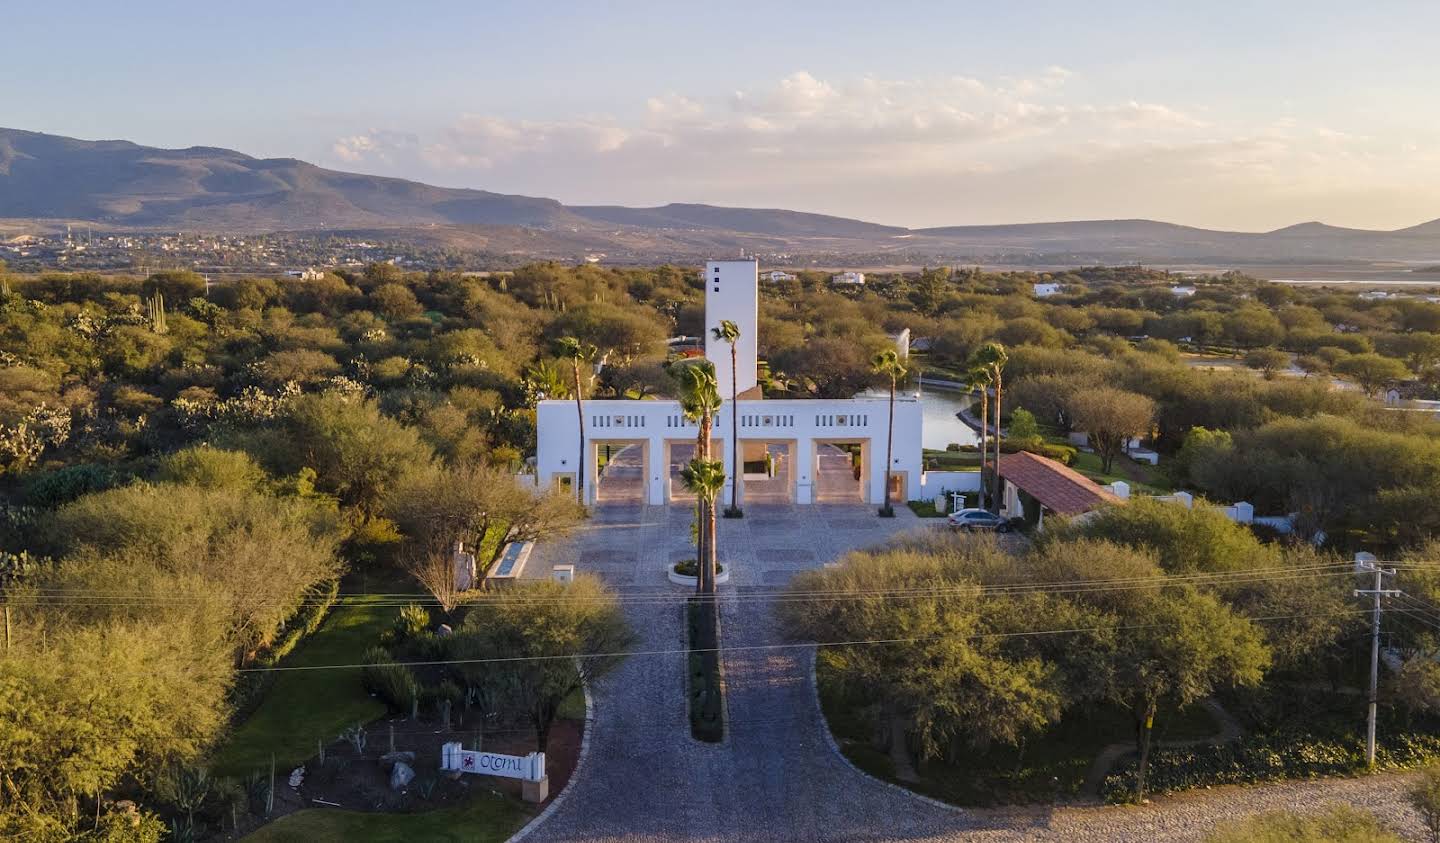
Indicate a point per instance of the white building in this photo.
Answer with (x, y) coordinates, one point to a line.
(800, 451)
(1046, 290)
(853, 278)
(1182, 291)
(776, 276)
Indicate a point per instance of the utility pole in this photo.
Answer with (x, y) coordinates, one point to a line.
(1365, 565)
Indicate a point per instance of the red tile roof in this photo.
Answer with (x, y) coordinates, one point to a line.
(1057, 487)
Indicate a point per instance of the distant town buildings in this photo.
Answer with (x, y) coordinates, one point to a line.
(776, 276)
(848, 278)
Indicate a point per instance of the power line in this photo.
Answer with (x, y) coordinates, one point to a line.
(83, 597)
(757, 647)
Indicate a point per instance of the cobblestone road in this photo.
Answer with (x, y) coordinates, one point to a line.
(776, 777)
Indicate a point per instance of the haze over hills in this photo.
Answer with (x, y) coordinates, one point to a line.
(124, 186)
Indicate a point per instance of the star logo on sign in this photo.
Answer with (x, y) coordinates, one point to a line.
(469, 761)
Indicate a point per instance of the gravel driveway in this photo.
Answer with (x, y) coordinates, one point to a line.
(777, 776)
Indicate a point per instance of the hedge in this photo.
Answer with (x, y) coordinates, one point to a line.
(249, 688)
(1262, 758)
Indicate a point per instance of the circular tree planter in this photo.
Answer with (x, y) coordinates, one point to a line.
(722, 574)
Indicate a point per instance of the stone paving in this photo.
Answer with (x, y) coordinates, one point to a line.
(777, 776)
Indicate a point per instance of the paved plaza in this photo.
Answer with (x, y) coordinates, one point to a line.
(777, 776)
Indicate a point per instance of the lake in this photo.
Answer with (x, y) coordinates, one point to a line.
(939, 406)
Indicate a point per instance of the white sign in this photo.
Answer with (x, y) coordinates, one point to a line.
(529, 767)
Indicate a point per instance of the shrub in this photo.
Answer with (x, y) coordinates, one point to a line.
(392, 683)
(56, 488)
(412, 622)
(691, 568)
(707, 683)
(1262, 758)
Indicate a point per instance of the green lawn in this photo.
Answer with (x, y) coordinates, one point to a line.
(305, 705)
(1155, 481)
(485, 817)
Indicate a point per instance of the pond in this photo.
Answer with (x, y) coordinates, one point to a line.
(942, 426)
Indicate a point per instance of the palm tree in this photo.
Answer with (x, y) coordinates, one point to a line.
(992, 356)
(888, 363)
(699, 401)
(730, 332)
(980, 379)
(572, 349)
(706, 478)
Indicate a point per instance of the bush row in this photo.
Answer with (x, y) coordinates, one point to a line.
(250, 688)
(1263, 758)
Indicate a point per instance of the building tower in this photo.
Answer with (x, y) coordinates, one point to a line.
(732, 292)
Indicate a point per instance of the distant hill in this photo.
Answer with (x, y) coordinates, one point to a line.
(124, 186)
(770, 221)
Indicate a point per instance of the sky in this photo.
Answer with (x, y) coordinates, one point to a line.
(1243, 116)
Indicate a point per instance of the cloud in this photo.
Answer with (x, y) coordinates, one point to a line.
(911, 151)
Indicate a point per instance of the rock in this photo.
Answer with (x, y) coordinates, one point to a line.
(444, 630)
(389, 759)
(401, 776)
(297, 776)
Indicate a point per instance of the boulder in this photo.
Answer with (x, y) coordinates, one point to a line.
(297, 777)
(401, 776)
(389, 759)
(444, 630)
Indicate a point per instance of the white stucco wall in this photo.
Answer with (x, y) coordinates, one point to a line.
(802, 422)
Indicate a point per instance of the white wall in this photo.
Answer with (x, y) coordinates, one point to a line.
(732, 292)
(802, 421)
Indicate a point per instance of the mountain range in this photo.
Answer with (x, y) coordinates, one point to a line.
(120, 185)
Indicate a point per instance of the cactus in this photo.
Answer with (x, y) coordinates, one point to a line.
(155, 305)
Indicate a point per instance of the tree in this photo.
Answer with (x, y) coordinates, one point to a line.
(993, 356)
(730, 332)
(358, 453)
(706, 479)
(1253, 327)
(830, 367)
(979, 379)
(577, 352)
(254, 555)
(1110, 417)
(1425, 797)
(547, 640)
(434, 570)
(1176, 644)
(888, 364)
(1372, 372)
(933, 668)
(1267, 361)
(699, 401)
(211, 468)
(1023, 427)
(477, 504)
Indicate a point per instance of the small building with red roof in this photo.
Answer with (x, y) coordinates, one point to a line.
(1033, 486)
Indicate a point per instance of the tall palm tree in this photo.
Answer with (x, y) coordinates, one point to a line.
(730, 332)
(980, 379)
(572, 349)
(992, 356)
(706, 478)
(699, 401)
(889, 364)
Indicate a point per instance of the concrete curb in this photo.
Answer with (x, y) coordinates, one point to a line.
(574, 774)
(835, 748)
